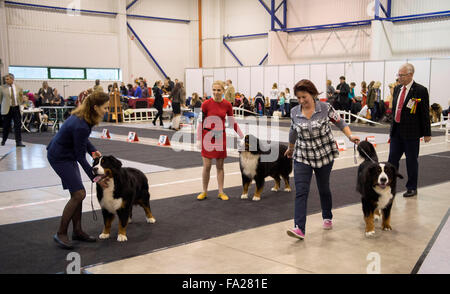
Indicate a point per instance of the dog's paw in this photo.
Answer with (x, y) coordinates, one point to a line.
(256, 198)
(122, 238)
(370, 234)
(274, 189)
(103, 236)
(387, 228)
(287, 190)
(244, 196)
(151, 220)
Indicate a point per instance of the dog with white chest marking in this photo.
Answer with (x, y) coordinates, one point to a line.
(253, 168)
(126, 187)
(377, 185)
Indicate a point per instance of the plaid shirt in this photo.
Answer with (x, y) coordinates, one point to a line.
(313, 139)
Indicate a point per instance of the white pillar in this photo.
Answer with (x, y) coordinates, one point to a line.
(122, 39)
(4, 49)
(381, 47)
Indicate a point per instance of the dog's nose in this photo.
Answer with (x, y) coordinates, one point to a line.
(383, 180)
(95, 169)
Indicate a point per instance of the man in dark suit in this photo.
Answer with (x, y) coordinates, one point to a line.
(343, 89)
(411, 121)
(11, 99)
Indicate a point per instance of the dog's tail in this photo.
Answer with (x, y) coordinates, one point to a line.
(367, 151)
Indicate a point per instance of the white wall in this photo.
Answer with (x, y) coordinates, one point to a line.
(431, 73)
(45, 37)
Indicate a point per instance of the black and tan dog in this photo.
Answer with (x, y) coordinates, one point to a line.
(126, 187)
(254, 168)
(377, 185)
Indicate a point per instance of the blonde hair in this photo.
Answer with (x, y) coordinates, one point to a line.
(275, 86)
(220, 83)
(87, 110)
(377, 84)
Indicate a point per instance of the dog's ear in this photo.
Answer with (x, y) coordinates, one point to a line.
(115, 162)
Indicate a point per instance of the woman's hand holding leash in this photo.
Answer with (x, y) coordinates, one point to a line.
(354, 139)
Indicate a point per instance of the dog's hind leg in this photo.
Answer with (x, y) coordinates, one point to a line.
(145, 204)
(287, 187)
(277, 184)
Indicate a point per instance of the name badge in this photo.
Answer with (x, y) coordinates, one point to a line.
(410, 104)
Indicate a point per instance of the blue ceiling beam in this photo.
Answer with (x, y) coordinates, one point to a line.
(159, 18)
(146, 50)
(59, 8)
(229, 49)
(131, 4)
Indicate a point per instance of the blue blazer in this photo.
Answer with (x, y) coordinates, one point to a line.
(138, 92)
(71, 143)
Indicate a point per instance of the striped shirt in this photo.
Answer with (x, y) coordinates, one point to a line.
(313, 139)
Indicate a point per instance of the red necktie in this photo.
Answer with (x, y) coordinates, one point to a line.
(400, 105)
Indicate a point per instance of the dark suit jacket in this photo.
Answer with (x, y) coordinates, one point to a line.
(417, 125)
(343, 95)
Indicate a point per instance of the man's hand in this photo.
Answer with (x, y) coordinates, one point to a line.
(96, 154)
(289, 153)
(427, 139)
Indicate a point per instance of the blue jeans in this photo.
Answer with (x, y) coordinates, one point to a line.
(302, 178)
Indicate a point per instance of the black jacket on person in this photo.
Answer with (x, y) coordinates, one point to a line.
(159, 100)
(412, 125)
(343, 95)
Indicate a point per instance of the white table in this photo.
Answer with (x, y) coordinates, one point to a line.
(27, 115)
(57, 110)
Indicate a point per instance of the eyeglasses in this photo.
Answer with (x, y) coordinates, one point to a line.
(402, 75)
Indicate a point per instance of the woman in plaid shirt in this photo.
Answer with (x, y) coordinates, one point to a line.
(312, 145)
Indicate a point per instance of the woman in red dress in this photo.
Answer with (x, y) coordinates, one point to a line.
(212, 136)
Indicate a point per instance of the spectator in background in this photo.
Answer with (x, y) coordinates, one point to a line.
(97, 87)
(45, 95)
(373, 101)
(351, 96)
(259, 104)
(177, 100)
(138, 91)
(130, 90)
(123, 90)
(57, 100)
(230, 92)
(282, 103)
(166, 88)
(274, 98)
(144, 88)
(342, 89)
(363, 93)
(331, 94)
(11, 96)
(159, 102)
(171, 84)
(196, 102)
(292, 100)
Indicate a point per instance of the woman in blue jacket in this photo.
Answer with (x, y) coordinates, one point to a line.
(68, 148)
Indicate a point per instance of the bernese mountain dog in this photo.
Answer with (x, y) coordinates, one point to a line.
(377, 185)
(126, 187)
(253, 168)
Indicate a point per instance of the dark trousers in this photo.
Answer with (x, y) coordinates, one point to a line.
(411, 148)
(302, 178)
(13, 115)
(273, 106)
(159, 114)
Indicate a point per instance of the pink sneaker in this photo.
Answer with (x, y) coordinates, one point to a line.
(296, 233)
(327, 224)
